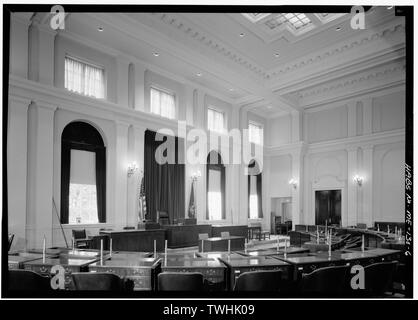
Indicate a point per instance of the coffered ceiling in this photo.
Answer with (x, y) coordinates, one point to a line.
(265, 59)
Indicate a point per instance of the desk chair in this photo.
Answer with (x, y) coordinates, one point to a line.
(162, 218)
(265, 280)
(11, 237)
(325, 280)
(180, 281)
(26, 280)
(80, 239)
(225, 234)
(379, 277)
(101, 281)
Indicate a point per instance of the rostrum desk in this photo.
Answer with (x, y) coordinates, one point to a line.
(180, 236)
(136, 240)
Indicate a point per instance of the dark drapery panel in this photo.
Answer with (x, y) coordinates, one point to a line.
(101, 183)
(164, 184)
(260, 200)
(65, 180)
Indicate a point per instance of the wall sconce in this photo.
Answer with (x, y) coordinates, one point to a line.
(359, 180)
(293, 182)
(196, 175)
(132, 168)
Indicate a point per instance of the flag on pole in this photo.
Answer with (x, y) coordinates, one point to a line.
(142, 201)
(192, 206)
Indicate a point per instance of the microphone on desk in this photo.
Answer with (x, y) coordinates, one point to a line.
(101, 252)
(110, 251)
(44, 250)
(362, 243)
(229, 247)
(155, 248)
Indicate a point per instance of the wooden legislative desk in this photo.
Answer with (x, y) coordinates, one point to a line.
(136, 240)
(239, 231)
(381, 254)
(238, 265)
(294, 251)
(221, 244)
(214, 272)
(179, 236)
(70, 265)
(17, 259)
(134, 266)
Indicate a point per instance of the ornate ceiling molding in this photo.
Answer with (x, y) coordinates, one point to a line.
(211, 42)
(342, 47)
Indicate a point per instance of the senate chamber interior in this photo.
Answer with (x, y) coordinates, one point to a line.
(218, 153)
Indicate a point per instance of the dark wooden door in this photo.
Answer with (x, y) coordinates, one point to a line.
(328, 207)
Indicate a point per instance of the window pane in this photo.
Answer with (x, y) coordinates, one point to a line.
(84, 78)
(215, 120)
(255, 133)
(253, 206)
(215, 205)
(83, 192)
(163, 103)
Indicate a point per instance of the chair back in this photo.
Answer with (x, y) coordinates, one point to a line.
(11, 237)
(180, 281)
(79, 234)
(100, 281)
(203, 236)
(163, 218)
(225, 234)
(263, 280)
(325, 280)
(26, 280)
(379, 277)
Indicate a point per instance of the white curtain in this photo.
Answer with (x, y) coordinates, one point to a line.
(215, 120)
(163, 103)
(84, 78)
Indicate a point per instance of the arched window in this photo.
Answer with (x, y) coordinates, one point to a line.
(255, 210)
(215, 186)
(83, 175)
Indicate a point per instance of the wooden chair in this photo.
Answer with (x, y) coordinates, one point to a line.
(26, 280)
(328, 280)
(101, 281)
(180, 281)
(80, 239)
(11, 237)
(379, 277)
(263, 280)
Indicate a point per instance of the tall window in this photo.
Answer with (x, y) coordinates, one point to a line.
(255, 133)
(215, 184)
(84, 78)
(254, 191)
(163, 103)
(216, 120)
(83, 175)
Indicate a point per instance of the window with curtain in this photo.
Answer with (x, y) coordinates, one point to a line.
(255, 210)
(216, 120)
(84, 78)
(253, 198)
(83, 175)
(255, 133)
(215, 184)
(83, 195)
(163, 103)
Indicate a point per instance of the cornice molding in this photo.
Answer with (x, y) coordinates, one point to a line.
(338, 49)
(211, 42)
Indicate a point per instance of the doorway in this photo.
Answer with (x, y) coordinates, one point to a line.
(328, 207)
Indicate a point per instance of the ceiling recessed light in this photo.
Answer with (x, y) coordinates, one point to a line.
(242, 34)
(156, 54)
(338, 28)
(276, 55)
(100, 29)
(199, 74)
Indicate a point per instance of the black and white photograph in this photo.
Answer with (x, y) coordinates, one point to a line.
(170, 151)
